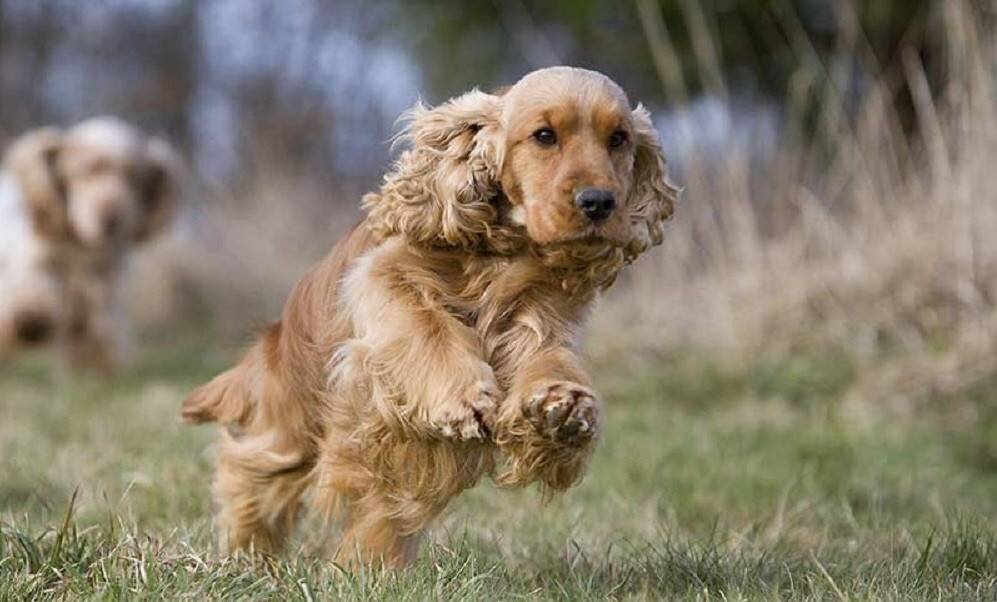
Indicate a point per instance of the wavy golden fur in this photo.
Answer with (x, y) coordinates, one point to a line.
(76, 202)
(435, 344)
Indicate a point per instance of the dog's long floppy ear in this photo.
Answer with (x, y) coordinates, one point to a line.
(33, 162)
(441, 189)
(159, 188)
(652, 197)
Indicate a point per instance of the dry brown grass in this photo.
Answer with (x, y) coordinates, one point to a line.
(858, 235)
(235, 255)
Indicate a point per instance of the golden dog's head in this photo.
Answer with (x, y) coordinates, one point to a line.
(560, 157)
(101, 183)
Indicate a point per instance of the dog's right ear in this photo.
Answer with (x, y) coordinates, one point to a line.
(33, 162)
(652, 197)
(159, 184)
(442, 188)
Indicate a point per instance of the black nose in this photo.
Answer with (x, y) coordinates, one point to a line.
(112, 223)
(32, 328)
(596, 203)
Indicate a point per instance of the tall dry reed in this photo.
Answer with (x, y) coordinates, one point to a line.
(854, 231)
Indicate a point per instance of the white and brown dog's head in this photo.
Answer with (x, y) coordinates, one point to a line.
(100, 183)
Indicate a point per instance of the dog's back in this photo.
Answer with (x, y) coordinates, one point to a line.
(291, 354)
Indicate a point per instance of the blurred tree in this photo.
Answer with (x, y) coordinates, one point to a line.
(28, 37)
(291, 81)
(145, 64)
(751, 47)
(63, 61)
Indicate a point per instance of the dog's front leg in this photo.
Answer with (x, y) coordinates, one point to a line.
(96, 331)
(548, 424)
(32, 306)
(426, 368)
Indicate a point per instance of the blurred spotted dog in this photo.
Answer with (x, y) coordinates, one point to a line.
(73, 204)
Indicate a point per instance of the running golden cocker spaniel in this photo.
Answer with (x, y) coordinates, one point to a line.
(436, 343)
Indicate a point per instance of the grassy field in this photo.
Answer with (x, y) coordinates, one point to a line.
(758, 481)
(740, 459)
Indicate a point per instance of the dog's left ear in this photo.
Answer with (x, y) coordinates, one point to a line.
(159, 184)
(441, 189)
(33, 161)
(652, 197)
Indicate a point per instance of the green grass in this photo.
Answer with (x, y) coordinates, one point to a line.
(711, 481)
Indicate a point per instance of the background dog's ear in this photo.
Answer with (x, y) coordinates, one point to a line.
(441, 188)
(652, 197)
(33, 162)
(158, 184)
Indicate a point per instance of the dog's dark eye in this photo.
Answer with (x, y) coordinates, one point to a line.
(618, 139)
(545, 136)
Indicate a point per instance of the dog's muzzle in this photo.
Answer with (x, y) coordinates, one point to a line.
(33, 328)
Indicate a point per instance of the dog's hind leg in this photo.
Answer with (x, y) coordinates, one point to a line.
(258, 492)
(375, 537)
(266, 452)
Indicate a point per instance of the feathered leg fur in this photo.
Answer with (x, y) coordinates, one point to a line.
(266, 453)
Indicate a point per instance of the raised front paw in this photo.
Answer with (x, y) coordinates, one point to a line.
(564, 411)
(471, 416)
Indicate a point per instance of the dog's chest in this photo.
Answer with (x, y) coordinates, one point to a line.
(72, 263)
(498, 295)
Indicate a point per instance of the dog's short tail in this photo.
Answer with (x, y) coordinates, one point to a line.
(225, 399)
(230, 398)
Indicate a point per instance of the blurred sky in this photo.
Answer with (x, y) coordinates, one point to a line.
(321, 83)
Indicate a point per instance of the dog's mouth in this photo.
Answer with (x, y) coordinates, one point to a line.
(601, 233)
(588, 244)
(509, 215)
(587, 233)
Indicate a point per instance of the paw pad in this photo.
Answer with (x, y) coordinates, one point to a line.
(565, 412)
